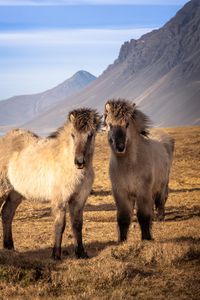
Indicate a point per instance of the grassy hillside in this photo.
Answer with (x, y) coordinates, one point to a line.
(167, 268)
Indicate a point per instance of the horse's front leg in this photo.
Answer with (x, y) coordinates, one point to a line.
(144, 214)
(124, 213)
(76, 206)
(59, 212)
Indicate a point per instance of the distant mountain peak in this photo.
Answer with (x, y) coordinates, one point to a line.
(20, 109)
(83, 74)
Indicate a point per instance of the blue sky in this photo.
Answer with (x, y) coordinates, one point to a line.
(42, 43)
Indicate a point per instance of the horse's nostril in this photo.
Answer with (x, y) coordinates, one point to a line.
(120, 147)
(80, 162)
(110, 141)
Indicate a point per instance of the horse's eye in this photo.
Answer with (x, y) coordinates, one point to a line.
(127, 124)
(72, 135)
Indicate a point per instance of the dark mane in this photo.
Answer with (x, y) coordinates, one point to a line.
(142, 122)
(85, 119)
(55, 134)
(123, 110)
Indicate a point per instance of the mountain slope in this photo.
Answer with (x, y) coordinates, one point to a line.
(20, 109)
(160, 72)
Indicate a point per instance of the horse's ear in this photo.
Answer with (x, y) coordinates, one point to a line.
(107, 107)
(100, 118)
(71, 117)
(133, 104)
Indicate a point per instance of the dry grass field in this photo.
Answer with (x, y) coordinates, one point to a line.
(167, 268)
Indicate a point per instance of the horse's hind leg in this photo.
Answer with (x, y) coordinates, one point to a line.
(160, 201)
(8, 211)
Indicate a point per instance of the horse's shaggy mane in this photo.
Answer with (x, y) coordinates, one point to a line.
(123, 111)
(55, 134)
(84, 119)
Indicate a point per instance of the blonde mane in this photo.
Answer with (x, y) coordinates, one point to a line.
(85, 119)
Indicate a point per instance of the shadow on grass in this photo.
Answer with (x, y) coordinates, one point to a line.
(101, 193)
(184, 190)
(46, 212)
(100, 207)
(172, 213)
(37, 214)
(41, 258)
(183, 239)
(181, 213)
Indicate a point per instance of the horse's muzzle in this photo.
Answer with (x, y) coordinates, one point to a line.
(79, 162)
(120, 148)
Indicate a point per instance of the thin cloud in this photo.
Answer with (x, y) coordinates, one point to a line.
(70, 37)
(90, 2)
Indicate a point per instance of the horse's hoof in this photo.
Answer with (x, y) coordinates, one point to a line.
(8, 245)
(65, 253)
(56, 254)
(56, 257)
(83, 255)
(150, 239)
(147, 237)
(121, 241)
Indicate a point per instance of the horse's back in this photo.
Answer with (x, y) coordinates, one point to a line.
(165, 139)
(162, 145)
(16, 140)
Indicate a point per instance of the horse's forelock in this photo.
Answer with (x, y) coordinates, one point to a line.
(121, 110)
(86, 119)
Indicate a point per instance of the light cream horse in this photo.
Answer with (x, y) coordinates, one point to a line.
(58, 168)
(139, 166)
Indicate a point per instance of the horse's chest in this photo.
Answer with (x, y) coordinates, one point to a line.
(128, 179)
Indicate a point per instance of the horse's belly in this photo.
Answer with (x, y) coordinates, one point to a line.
(37, 185)
(42, 182)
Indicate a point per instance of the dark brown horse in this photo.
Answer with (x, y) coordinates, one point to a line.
(139, 166)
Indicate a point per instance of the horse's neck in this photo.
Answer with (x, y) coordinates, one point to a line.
(62, 146)
(132, 152)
